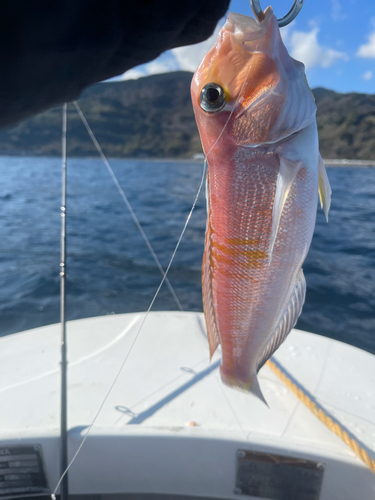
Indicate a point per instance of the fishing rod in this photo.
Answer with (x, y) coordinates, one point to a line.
(64, 486)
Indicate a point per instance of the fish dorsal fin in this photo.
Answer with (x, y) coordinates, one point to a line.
(287, 321)
(324, 188)
(287, 174)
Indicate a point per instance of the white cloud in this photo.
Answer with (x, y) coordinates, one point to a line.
(163, 64)
(183, 58)
(367, 50)
(367, 75)
(132, 74)
(190, 57)
(305, 47)
(285, 33)
(336, 11)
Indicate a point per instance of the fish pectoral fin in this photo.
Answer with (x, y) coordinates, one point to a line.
(287, 321)
(287, 174)
(324, 188)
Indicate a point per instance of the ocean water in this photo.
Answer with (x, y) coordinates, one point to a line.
(110, 269)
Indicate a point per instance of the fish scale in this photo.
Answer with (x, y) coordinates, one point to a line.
(243, 277)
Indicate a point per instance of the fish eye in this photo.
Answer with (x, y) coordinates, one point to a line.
(212, 98)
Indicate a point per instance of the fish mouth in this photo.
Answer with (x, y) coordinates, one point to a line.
(246, 28)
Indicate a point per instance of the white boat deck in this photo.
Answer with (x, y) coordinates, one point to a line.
(169, 426)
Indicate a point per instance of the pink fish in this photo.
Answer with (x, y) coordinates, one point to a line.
(256, 118)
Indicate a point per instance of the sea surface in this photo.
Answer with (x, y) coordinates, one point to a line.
(110, 269)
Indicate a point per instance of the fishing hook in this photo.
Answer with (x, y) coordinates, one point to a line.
(284, 21)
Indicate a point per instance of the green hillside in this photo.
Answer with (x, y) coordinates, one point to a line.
(153, 117)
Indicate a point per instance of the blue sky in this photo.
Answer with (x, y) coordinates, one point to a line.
(335, 39)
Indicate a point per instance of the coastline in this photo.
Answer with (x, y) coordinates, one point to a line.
(349, 163)
(197, 158)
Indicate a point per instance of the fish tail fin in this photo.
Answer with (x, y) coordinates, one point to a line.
(250, 385)
(256, 390)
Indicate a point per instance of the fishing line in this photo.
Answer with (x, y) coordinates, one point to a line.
(53, 496)
(126, 201)
(164, 278)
